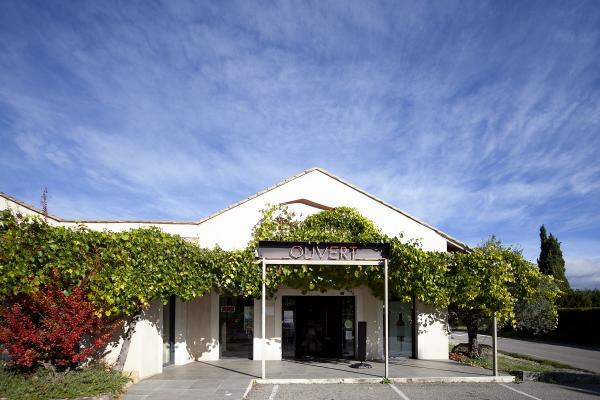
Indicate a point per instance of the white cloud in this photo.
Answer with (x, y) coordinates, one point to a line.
(473, 126)
(584, 273)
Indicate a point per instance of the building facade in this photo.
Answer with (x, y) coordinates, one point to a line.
(298, 325)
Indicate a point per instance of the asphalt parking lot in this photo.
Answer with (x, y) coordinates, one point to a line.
(411, 391)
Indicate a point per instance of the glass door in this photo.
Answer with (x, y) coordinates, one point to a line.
(401, 331)
(348, 326)
(318, 326)
(236, 322)
(288, 327)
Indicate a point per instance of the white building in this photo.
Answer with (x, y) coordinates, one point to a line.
(297, 325)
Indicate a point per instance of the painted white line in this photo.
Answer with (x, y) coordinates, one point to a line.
(400, 393)
(518, 391)
(248, 389)
(451, 379)
(274, 392)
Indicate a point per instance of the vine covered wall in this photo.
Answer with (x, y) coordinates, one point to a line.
(122, 272)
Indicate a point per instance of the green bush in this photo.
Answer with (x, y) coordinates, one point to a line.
(46, 384)
(580, 298)
(578, 326)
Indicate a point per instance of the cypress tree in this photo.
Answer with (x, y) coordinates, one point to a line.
(551, 261)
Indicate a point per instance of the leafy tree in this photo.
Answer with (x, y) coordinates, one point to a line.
(539, 314)
(494, 279)
(551, 261)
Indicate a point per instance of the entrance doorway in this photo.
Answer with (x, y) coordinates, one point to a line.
(168, 332)
(318, 326)
(236, 322)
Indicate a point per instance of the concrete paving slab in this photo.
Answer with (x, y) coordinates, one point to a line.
(230, 378)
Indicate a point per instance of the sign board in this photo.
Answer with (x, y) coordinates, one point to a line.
(227, 309)
(299, 251)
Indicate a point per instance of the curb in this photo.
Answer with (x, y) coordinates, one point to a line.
(558, 377)
(451, 379)
(457, 379)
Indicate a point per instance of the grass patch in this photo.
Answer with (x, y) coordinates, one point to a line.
(553, 364)
(45, 384)
(510, 362)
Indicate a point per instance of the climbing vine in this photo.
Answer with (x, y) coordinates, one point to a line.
(123, 271)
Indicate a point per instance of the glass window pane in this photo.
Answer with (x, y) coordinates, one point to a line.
(400, 332)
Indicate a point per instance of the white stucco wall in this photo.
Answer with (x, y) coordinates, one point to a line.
(320, 188)
(186, 230)
(202, 340)
(144, 358)
(432, 341)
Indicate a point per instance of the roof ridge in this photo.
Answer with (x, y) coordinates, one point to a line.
(60, 219)
(419, 221)
(268, 189)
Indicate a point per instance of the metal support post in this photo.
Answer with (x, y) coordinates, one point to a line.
(263, 346)
(387, 325)
(495, 344)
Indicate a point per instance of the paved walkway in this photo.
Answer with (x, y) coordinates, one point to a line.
(228, 379)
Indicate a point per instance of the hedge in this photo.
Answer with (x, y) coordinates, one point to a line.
(577, 326)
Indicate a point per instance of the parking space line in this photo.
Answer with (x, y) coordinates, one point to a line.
(400, 393)
(274, 392)
(518, 391)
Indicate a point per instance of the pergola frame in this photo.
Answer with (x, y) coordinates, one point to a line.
(343, 263)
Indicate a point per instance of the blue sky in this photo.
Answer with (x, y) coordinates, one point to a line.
(478, 117)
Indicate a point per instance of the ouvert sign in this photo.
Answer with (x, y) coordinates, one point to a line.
(272, 250)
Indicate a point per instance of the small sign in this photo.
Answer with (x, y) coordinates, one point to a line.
(227, 309)
(288, 317)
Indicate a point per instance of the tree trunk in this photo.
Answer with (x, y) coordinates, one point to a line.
(473, 343)
(120, 363)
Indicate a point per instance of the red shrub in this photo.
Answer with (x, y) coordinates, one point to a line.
(49, 326)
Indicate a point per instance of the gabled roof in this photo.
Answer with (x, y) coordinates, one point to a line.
(453, 241)
(111, 221)
(30, 207)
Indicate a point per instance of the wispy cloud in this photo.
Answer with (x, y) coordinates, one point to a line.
(478, 117)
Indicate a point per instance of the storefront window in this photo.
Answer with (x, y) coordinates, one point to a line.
(236, 321)
(401, 329)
